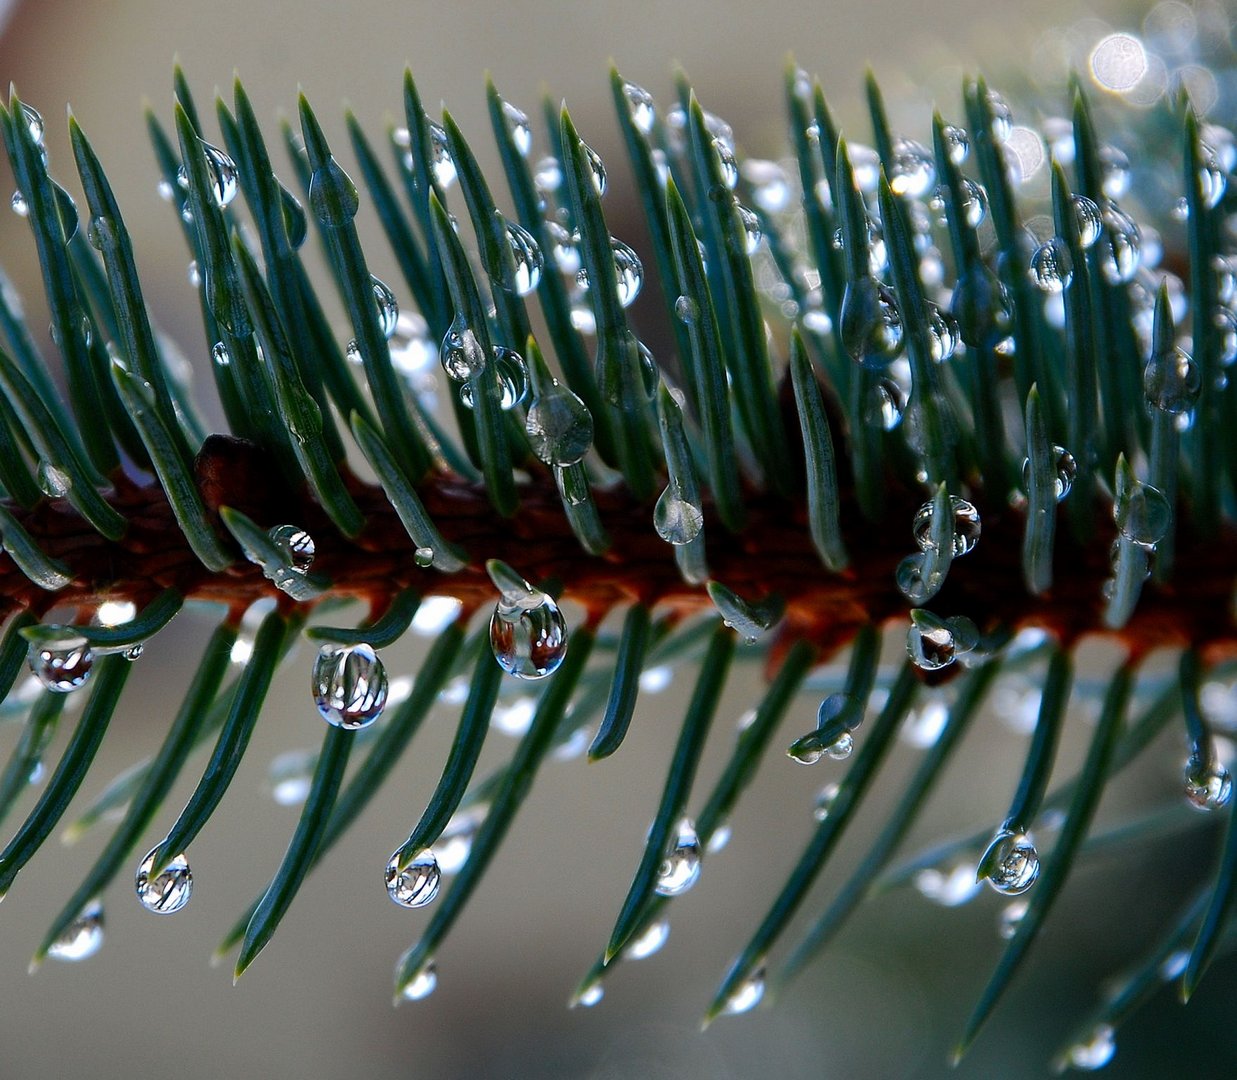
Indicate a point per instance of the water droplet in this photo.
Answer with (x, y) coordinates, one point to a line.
(957, 143)
(548, 175)
(528, 634)
(559, 426)
(1066, 471)
(871, 324)
(1212, 180)
(18, 202)
(517, 125)
(349, 684)
(82, 938)
(224, 175)
(1095, 1051)
(1208, 785)
(53, 481)
(824, 801)
(461, 353)
(1121, 246)
(931, 647)
(806, 750)
(677, 520)
(1088, 218)
(441, 161)
(680, 869)
(417, 884)
(424, 556)
(353, 353)
(752, 233)
(529, 262)
(590, 995)
(643, 109)
(949, 888)
(596, 169)
(746, 995)
(299, 549)
(510, 373)
(34, 123)
(912, 171)
(1002, 116)
(63, 667)
(1114, 172)
(1144, 515)
(1012, 863)
(885, 405)
(923, 725)
(219, 354)
(628, 272)
(718, 838)
(194, 274)
(1172, 381)
(165, 190)
(967, 526)
(388, 308)
(1010, 918)
(647, 943)
(170, 890)
(686, 309)
(134, 652)
(423, 983)
(728, 163)
(944, 332)
(866, 165)
(1051, 268)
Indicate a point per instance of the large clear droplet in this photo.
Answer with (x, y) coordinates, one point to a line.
(643, 109)
(527, 257)
(957, 143)
(680, 869)
(746, 995)
(34, 123)
(441, 161)
(461, 353)
(1012, 863)
(559, 426)
(83, 937)
(1095, 1051)
(297, 544)
(752, 233)
(649, 942)
(1120, 249)
(1088, 218)
(912, 171)
(417, 884)
(677, 520)
(528, 634)
(224, 175)
(596, 169)
(886, 403)
(1208, 785)
(349, 685)
(931, 647)
(1066, 469)
(944, 336)
(517, 124)
(18, 202)
(388, 307)
(64, 667)
(1144, 515)
(170, 890)
(727, 162)
(967, 526)
(423, 984)
(512, 376)
(1172, 381)
(1051, 268)
(871, 324)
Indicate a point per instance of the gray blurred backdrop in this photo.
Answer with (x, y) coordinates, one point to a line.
(894, 991)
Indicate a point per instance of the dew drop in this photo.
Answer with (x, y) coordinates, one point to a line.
(528, 633)
(1114, 172)
(423, 983)
(1002, 116)
(1051, 268)
(677, 520)
(1012, 862)
(424, 556)
(628, 270)
(945, 336)
(1096, 1051)
(596, 168)
(746, 995)
(967, 526)
(915, 579)
(1010, 918)
(912, 171)
(1088, 218)
(1208, 785)
(1066, 469)
(591, 994)
(64, 667)
(680, 869)
(871, 324)
(649, 942)
(548, 175)
(417, 884)
(824, 801)
(771, 189)
(53, 481)
(441, 161)
(752, 233)
(349, 684)
(224, 175)
(511, 374)
(517, 126)
(727, 162)
(686, 310)
(957, 143)
(193, 273)
(18, 202)
(559, 426)
(170, 890)
(642, 108)
(886, 403)
(34, 123)
(1212, 180)
(527, 257)
(461, 353)
(134, 652)
(353, 353)
(1172, 381)
(866, 165)
(1120, 250)
(82, 938)
(931, 647)
(388, 308)
(290, 776)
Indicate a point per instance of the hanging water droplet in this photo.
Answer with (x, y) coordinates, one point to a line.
(299, 549)
(1088, 218)
(596, 169)
(643, 109)
(1010, 864)
(871, 324)
(590, 995)
(824, 800)
(686, 310)
(949, 888)
(219, 354)
(912, 171)
(349, 684)
(1095, 1051)
(511, 374)
(752, 233)
(424, 556)
(63, 667)
(945, 336)
(517, 125)
(423, 983)
(18, 202)
(564, 248)
(865, 162)
(82, 938)
(34, 123)
(771, 188)
(1208, 785)
(548, 175)
(967, 526)
(957, 143)
(171, 888)
(806, 750)
(1144, 515)
(388, 307)
(528, 633)
(931, 647)
(1172, 381)
(680, 869)
(648, 942)
(53, 481)
(925, 724)
(1212, 180)
(1002, 116)
(224, 175)
(461, 353)
(727, 162)
(1114, 172)
(917, 579)
(529, 262)
(1066, 470)
(747, 994)
(1010, 918)
(628, 270)
(1120, 249)
(559, 426)
(441, 161)
(1051, 267)
(677, 520)
(417, 884)
(886, 403)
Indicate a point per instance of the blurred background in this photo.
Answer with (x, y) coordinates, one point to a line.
(892, 994)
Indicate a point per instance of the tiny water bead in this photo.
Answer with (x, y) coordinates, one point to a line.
(224, 175)
(1208, 785)
(528, 634)
(871, 325)
(424, 983)
(548, 175)
(596, 168)
(527, 258)
(916, 578)
(966, 530)
(388, 307)
(1095, 1051)
(752, 233)
(1002, 116)
(770, 185)
(957, 143)
(423, 556)
(1172, 381)
(677, 520)
(297, 544)
(680, 869)
(642, 107)
(441, 161)
(417, 884)
(1120, 250)
(34, 123)
(934, 643)
(517, 125)
(1010, 864)
(64, 667)
(290, 775)
(747, 994)
(727, 162)
(559, 425)
(349, 684)
(1089, 219)
(944, 336)
(1066, 471)
(169, 890)
(461, 353)
(650, 941)
(628, 272)
(82, 938)
(511, 375)
(18, 202)
(53, 481)
(1051, 268)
